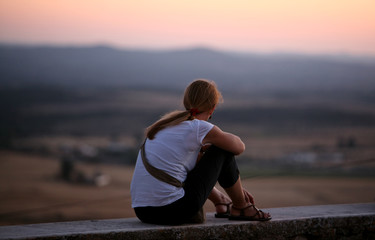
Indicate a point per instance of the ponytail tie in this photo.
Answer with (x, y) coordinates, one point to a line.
(194, 112)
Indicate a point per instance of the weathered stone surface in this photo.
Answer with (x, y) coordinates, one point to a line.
(347, 221)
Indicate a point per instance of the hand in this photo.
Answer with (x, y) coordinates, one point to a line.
(248, 197)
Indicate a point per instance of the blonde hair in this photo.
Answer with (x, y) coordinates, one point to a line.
(200, 96)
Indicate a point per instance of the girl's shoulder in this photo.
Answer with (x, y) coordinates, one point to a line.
(194, 125)
(202, 125)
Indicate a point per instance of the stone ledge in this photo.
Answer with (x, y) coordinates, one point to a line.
(354, 221)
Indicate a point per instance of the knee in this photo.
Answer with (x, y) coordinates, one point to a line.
(220, 151)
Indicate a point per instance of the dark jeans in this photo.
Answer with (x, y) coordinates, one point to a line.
(216, 165)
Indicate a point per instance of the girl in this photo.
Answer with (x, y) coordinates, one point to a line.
(182, 159)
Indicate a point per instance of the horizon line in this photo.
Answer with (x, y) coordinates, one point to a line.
(189, 48)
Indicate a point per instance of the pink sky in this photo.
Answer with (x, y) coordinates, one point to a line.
(308, 26)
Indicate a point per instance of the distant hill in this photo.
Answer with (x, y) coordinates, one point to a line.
(108, 67)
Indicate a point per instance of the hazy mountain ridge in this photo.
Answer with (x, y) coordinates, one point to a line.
(105, 66)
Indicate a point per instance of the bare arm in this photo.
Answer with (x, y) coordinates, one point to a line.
(224, 140)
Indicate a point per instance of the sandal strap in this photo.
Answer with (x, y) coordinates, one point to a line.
(260, 211)
(242, 211)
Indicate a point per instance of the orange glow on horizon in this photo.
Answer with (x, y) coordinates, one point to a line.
(289, 25)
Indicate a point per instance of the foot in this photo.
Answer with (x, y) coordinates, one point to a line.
(222, 210)
(222, 203)
(248, 212)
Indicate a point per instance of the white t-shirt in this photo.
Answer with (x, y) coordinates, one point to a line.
(174, 150)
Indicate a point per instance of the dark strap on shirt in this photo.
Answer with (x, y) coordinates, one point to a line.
(157, 173)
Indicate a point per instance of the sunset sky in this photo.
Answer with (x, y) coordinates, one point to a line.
(305, 26)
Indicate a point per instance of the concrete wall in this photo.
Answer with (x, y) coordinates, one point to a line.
(348, 221)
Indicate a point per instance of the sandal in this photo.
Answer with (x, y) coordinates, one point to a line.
(224, 214)
(258, 216)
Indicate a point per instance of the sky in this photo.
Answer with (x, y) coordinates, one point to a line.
(298, 26)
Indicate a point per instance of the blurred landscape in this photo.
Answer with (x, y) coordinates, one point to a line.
(72, 119)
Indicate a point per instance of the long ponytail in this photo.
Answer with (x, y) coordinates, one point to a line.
(169, 119)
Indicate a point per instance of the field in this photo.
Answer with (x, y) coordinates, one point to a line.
(32, 192)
